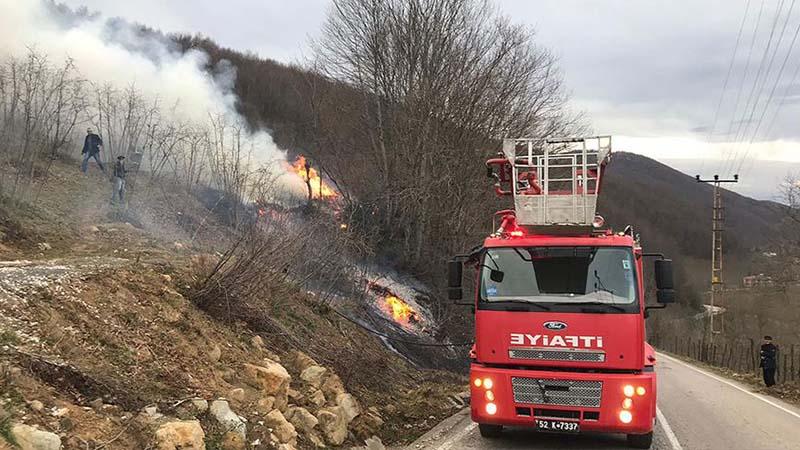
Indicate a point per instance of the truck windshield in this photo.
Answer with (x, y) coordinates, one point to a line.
(559, 275)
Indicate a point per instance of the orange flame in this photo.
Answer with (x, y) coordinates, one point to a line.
(401, 311)
(319, 189)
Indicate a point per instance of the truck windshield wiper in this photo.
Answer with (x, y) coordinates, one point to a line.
(525, 302)
(599, 285)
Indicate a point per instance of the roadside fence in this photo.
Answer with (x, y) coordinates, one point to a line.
(740, 355)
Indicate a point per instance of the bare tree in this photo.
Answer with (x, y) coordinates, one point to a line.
(40, 105)
(787, 245)
(789, 196)
(434, 85)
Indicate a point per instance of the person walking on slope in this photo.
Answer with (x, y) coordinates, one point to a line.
(119, 180)
(769, 360)
(91, 149)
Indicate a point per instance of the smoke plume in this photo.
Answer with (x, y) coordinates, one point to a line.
(113, 51)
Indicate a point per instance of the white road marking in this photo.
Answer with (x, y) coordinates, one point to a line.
(457, 437)
(673, 440)
(733, 385)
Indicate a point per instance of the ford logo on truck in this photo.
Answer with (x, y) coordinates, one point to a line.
(555, 325)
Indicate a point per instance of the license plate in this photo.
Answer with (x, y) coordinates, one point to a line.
(560, 426)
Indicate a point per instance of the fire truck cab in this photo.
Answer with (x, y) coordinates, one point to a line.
(560, 301)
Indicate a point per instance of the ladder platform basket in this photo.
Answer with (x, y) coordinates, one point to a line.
(552, 181)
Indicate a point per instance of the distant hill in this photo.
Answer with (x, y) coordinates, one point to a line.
(672, 211)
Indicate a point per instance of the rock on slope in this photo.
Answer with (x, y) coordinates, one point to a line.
(101, 347)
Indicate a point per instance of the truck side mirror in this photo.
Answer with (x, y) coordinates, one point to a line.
(665, 296)
(665, 283)
(455, 271)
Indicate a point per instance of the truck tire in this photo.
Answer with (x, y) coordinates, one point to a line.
(490, 431)
(640, 440)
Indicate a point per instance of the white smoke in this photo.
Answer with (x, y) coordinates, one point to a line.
(112, 51)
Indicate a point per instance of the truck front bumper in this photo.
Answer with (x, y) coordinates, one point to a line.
(497, 402)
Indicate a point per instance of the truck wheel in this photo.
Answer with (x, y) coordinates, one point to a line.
(490, 431)
(640, 440)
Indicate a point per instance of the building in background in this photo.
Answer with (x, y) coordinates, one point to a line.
(760, 280)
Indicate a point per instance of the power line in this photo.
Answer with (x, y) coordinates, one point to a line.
(744, 78)
(783, 99)
(727, 77)
(758, 96)
(744, 124)
(771, 94)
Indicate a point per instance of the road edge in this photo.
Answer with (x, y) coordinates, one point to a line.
(745, 388)
(442, 428)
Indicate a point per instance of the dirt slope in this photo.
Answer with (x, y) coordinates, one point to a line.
(101, 345)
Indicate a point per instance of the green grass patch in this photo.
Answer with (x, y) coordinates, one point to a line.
(8, 337)
(5, 432)
(214, 439)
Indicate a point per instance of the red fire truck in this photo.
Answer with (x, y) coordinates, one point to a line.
(560, 301)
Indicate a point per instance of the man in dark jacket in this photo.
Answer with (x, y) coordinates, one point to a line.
(91, 149)
(769, 360)
(119, 180)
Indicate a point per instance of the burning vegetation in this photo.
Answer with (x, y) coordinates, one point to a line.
(394, 307)
(317, 187)
(400, 311)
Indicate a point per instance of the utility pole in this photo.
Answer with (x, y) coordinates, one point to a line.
(717, 221)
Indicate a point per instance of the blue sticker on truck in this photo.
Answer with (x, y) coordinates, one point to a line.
(491, 290)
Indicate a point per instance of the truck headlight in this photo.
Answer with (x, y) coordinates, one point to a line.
(628, 390)
(625, 416)
(491, 409)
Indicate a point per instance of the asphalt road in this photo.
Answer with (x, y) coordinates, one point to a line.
(697, 410)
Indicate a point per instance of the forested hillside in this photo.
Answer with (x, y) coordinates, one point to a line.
(670, 209)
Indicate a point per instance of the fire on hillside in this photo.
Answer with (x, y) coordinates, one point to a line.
(319, 188)
(401, 311)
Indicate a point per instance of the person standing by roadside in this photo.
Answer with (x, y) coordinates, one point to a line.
(119, 181)
(769, 360)
(91, 149)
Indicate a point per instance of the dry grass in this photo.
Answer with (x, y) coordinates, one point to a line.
(126, 333)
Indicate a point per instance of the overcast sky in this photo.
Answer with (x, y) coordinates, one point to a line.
(650, 72)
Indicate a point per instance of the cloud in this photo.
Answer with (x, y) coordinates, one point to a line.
(271, 29)
(657, 68)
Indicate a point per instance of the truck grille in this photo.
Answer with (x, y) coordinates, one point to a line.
(545, 391)
(557, 355)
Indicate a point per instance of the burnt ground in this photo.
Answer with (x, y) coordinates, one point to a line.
(96, 320)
